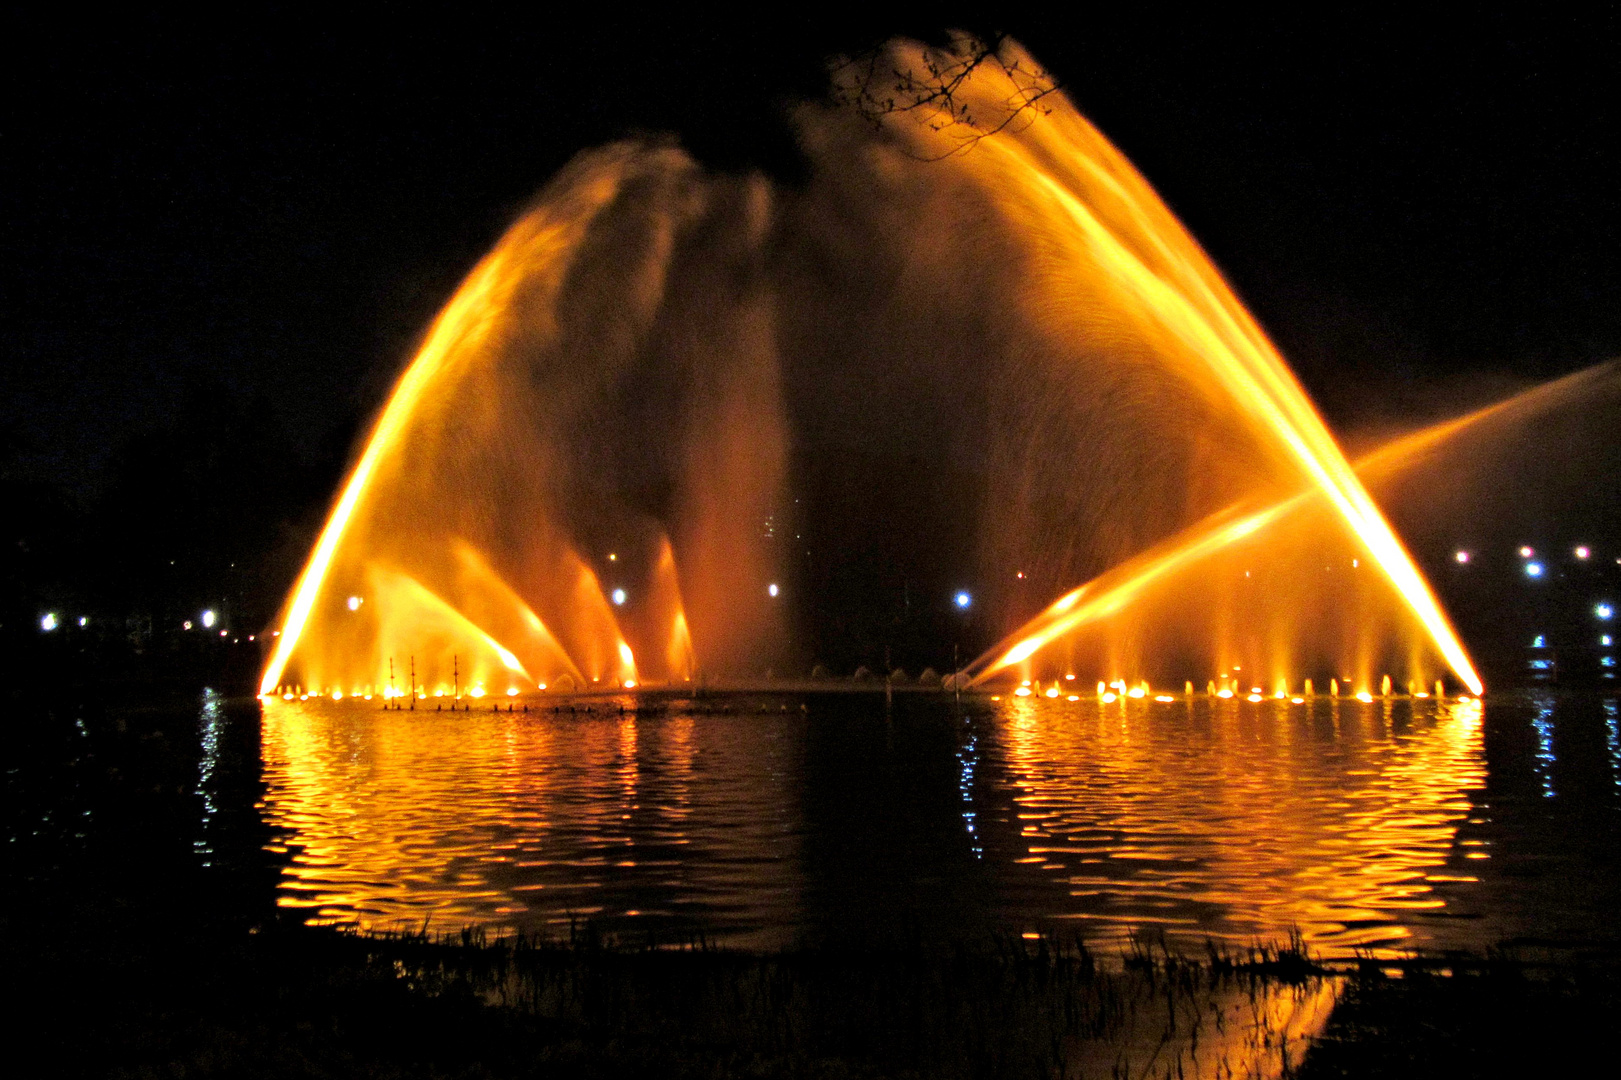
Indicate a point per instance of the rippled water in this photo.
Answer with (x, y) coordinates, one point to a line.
(788, 817)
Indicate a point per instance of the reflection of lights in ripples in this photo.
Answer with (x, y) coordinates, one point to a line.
(489, 818)
(967, 763)
(1197, 823)
(210, 723)
(1542, 724)
(1612, 738)
(1203, 818)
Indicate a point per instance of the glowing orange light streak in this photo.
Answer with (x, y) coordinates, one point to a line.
(469, 319)
(553, 652)
(1222, 333)
(425, 596)
(1112, 590)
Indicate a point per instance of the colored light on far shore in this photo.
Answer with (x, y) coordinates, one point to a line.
(1462, 556)
(209, 618)
(618, 596)
(1603, 611)
(1526, 552)
(48, 622)
(772, 589)
(1583, 551)
(962, 600)
(1533, 569)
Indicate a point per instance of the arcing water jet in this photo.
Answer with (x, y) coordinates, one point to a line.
(663, 375)
(1114, 591)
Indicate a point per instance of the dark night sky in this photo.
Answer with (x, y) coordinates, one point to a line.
(274, 215)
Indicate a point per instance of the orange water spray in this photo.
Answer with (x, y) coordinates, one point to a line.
(1115, 590)
(473, 315)
(1112, 225)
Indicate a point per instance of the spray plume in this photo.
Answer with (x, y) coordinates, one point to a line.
(654, 361)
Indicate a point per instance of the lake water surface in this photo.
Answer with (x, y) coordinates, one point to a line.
(772, 819)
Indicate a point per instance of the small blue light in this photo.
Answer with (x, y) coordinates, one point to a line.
(963, 599)
(1603, 611)
(618, 596)
(1607, 661)
(1541, 665)
(1533, 569)
(1604, 639)
(1538, 642)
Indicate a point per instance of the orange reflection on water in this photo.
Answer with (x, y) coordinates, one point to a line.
(1226, 819)
(1205, 817)
(508, 820)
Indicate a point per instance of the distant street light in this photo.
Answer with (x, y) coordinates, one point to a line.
(963, 600)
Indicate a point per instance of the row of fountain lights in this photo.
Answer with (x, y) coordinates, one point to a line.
(1225, 688)
(1117, 690)
(299, 693)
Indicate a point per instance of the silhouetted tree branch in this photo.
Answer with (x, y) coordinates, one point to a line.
(884, 81)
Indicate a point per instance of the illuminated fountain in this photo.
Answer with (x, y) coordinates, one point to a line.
(588, 474)
(1238, 536)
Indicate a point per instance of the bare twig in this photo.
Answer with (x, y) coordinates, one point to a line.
(879, 84)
